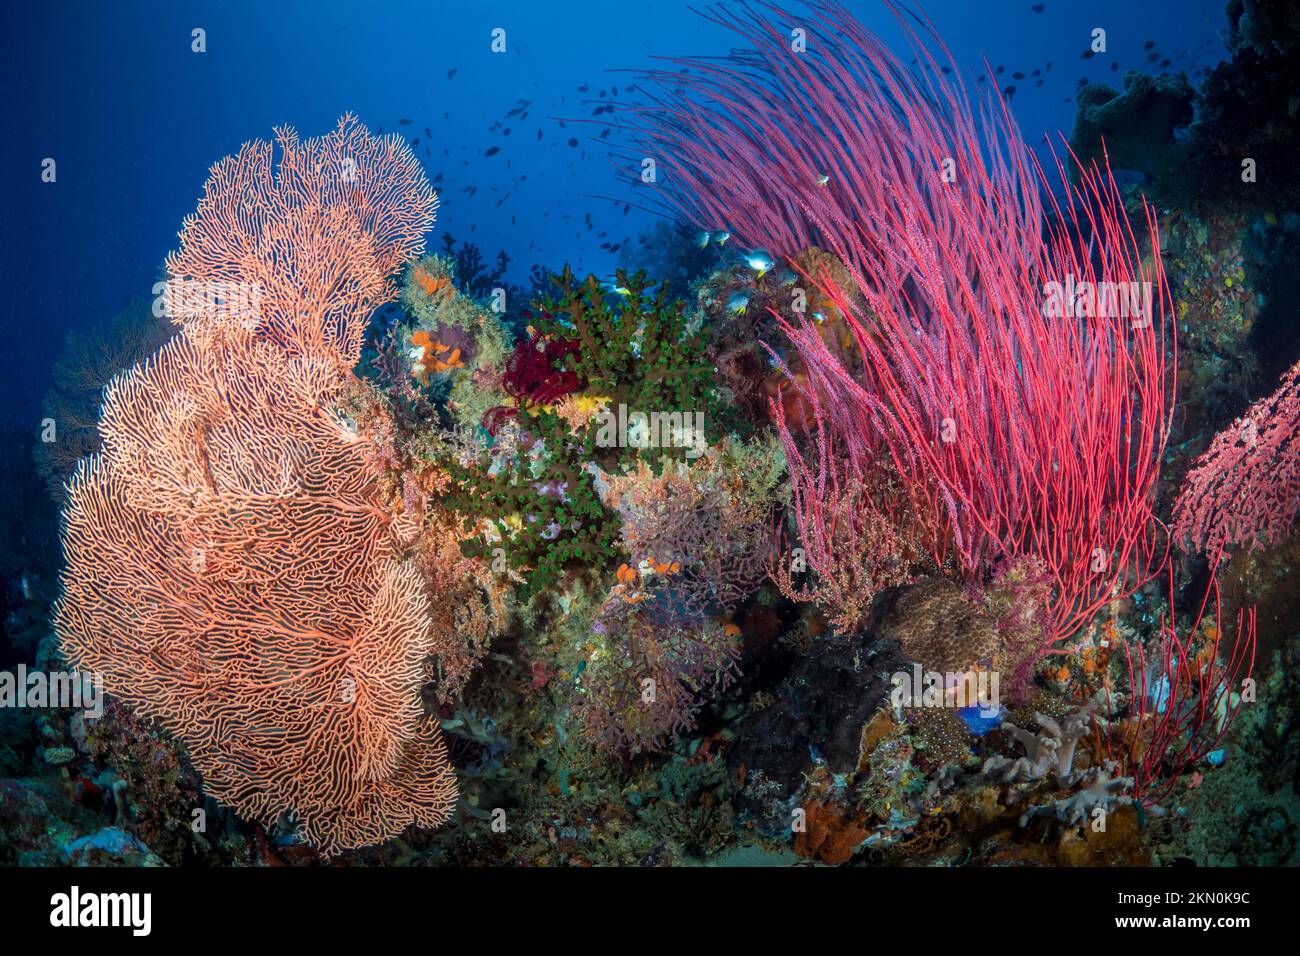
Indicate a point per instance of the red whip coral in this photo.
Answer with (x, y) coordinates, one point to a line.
(1014, 375)
(230, 569)
(1184, 698)
(1245, 489)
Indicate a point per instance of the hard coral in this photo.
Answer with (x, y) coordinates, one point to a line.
(940, 627)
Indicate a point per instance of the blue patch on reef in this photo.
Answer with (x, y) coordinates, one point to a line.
(980, 721)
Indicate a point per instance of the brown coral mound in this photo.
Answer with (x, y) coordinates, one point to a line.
(230, 569)
(831, 834)
(940, 628)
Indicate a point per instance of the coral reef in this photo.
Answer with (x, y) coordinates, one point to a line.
(848, 533)
(937, 626)
(1245, 490)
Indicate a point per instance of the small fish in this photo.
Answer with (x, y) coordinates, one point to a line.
(720, 238)
(492, 151)
(452, 72)
(403, 122)
(738, 302)
(823, 180)
(702, 240)
(760, 261)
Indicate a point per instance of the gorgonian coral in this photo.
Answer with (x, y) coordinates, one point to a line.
(651, 676)
(697, 537)
(1016, 420)
(87, 364)
(712, 519)
(1245, 490)
(230, 567)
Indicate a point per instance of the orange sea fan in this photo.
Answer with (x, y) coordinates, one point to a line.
(229, 572)
(313, 239)
(231, 569)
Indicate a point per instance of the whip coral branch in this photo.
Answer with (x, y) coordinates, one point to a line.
(229, 568)
(1016, 362)
(1184, 700)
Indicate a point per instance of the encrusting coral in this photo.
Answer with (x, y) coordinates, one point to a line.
(939, 627)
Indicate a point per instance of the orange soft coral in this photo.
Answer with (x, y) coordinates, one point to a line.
(429, 284)
(431, 356)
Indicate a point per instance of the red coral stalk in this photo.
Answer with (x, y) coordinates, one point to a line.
(1017, 424)
(1185, 700)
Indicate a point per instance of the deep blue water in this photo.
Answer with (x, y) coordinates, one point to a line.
(134, 118)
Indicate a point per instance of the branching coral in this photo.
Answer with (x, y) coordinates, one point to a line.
(652, 676)
(635, 351)
(1017, 421)
(470, 599)
(712, 519)
(591, 350)
(853, 538)
(697, 536)
(538, 510)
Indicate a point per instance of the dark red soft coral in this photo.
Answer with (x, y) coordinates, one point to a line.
(535, 371)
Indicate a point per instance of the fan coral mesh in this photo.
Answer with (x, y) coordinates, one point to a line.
(230, 569)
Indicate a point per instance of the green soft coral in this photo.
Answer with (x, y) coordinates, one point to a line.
(635, 349)
(545, 515)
